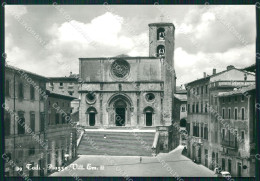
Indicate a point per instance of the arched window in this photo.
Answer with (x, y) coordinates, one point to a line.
(148, 112)
(91, 116)
(161, 34)
(160, 50)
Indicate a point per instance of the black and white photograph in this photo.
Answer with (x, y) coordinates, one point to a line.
(120, 90)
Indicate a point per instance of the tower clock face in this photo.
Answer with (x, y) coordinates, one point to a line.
(120, 69)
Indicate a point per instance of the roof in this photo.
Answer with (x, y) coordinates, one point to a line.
(237, 91)
(62, 78)
(117, 57)
(251, 68)
(180, 90)
(161, 24)
(59, 94)
(181, 97)
(20, 71)
(208, 77)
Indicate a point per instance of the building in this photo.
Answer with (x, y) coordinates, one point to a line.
(60, 131)
(130, 91)
(68, 86)
(202, 125)
(24, 120)
(238, 131)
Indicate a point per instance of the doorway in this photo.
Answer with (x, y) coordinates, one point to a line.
(92, 119)
(149, 119)
(120, 117)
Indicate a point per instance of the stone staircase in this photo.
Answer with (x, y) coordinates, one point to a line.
(116, 143)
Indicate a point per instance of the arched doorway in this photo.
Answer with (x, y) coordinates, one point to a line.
(120, 112)
(120, 108)
(148, 114)
(91, 116)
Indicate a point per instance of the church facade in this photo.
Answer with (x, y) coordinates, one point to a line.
(127, 91)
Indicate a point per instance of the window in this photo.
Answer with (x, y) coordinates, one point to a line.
(223, 113)
(42, 91)
(57, 118)
(51, 84)
(7, 123)
(223, 134)
(63, 119)
(188, 108)
(235, 98)
(32, 121)
(206, 89)
(235, 113)
(183, 109)
(197, 107)
(193, 108)
(243, 113)
(242, 135)
(20, 91)
(242, 98)
(229, 113)
(149, 97)
(201, 90)
(197, 90)
(205, 132)
(32, 93)
(42, 120)
(201, 131)
(32, 151)
(206, 107)
(61, 84)
(7, 88)
(21, 123)
(194, 91)
(229, 99)
(201, 107)
(223, 100)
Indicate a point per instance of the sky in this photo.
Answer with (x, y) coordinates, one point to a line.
(49, 39)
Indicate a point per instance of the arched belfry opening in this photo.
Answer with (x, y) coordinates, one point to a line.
(119, 109)
(161, 34)
(91, 117)
(160, 51)
(148, 116)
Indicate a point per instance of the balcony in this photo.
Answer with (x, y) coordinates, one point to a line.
(229, 144)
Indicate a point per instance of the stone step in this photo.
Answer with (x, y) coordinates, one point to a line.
(116, 143)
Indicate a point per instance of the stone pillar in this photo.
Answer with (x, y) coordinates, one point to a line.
(59, 156)
(53, 154)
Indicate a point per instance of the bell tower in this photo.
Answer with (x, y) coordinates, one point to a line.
(161, 45)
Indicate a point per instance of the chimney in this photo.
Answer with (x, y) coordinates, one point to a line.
(204, 74)
(230, 67)
(214, 71)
